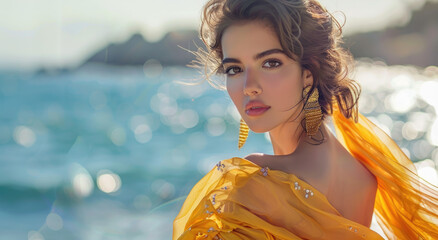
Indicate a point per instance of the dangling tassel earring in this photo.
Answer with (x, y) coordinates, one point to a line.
(243, 133)
(312, 111)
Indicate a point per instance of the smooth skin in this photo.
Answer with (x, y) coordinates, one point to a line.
(257, 69)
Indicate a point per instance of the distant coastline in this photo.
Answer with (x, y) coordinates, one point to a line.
(413, 44)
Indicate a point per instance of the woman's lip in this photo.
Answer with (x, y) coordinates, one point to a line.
(256, 111)
(254, 104)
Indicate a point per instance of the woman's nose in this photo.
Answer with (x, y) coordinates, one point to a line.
(252, 86)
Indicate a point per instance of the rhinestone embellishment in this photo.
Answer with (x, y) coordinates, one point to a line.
(297, 186)
(214, 199)
(264, 171)
(220, 166)
(355, 230)
(307, 192)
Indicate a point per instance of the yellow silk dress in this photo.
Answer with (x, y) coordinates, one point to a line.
(238, 199)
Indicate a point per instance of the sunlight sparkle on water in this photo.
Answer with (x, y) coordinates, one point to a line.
(403, 100)
(54, 222)
(108, 182)
(401, 81)
(117, 136)
(82, 185)
(24, 136)
(192, 91)
(81, 181)
(386, 120)
(426, 170)
(143, 133)
(215, 110)
(188, 118)
(428, 92)
(409, 131)
(163, 104)
(412, 95)
(215, 126)
(433, 133)
(421, 120)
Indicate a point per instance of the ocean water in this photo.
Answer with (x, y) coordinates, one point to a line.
(111, 152)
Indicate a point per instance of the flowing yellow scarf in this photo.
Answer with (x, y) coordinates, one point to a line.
(406, 206)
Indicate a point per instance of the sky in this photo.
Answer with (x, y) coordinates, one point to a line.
(61, 33)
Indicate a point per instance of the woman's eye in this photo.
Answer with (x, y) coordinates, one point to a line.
(232, 70)
(272, 64)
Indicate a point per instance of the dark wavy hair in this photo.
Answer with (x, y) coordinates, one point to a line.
(307, 32)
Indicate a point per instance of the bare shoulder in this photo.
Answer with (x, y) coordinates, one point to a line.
(366, 194)
(257, 158)
(355, 199)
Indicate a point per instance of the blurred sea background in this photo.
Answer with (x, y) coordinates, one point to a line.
(99, 140)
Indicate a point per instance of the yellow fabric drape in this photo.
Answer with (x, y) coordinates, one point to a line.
(406, 208)
(238, 199)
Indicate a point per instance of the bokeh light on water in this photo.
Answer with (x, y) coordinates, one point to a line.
(108, 182)
(402, 104)
(110, 153)
(24, 136)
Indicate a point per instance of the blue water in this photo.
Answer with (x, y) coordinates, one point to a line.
(154, 139)
(84, 122)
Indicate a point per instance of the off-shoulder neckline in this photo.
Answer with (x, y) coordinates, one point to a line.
(295, 177)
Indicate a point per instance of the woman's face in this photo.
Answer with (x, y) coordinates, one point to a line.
(257, 69)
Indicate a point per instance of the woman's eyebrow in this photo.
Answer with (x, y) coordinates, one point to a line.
(256, 57)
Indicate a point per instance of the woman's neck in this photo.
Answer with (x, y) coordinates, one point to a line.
(307, 153)
(285, 143)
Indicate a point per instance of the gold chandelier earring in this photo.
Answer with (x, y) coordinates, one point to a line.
(312, 111)
(243, 133)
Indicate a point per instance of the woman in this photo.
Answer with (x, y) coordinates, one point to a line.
(285, 72)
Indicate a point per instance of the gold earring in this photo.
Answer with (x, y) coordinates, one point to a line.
(243, 133)
(312, 111)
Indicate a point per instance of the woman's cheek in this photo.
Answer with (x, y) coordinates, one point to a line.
(235, 85)
(235, 91)
(283, 90)
(276, 82)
